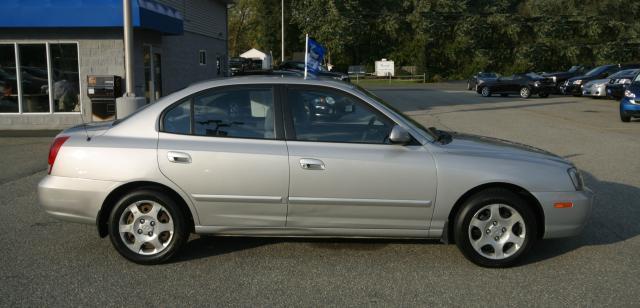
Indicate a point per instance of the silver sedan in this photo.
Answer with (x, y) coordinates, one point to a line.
(271, 156)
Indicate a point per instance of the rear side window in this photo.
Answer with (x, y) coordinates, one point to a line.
(238, 113)
(178, 119)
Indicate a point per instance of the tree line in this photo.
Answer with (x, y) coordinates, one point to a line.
(446, 39)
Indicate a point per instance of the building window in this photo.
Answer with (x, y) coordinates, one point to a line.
(65, 77)
(8, 80)
(34, 78)
(203, 57)
(46, 79)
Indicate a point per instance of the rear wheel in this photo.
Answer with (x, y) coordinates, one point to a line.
(147, 227)
(525, 92)
(485, 92)
(495, 228)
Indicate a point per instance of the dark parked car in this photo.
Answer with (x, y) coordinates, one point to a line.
(239, 65)
(299, 66)
(524, 85)
(575, 85)
(620, 82)
(560, 77)
(473, 82)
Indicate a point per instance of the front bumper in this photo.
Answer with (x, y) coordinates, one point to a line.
(629, 108)
(571, 89)
(597, 91)
(564, 222)
(73, 199)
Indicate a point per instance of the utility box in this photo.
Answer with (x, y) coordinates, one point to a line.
(103, 91)
(385, 67)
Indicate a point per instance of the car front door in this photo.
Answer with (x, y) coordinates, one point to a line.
(222, 148)
(345, 174)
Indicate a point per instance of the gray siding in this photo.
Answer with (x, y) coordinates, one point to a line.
(180, 61)
(205, 17)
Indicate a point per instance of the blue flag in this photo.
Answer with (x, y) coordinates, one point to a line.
(313, 57)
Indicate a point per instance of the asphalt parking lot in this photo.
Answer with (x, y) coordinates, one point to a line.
(44, 261)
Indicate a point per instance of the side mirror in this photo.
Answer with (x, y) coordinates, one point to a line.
(399, 135)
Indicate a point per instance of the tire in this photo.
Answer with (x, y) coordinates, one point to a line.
(525, 92)
(485, 92)
(504, 94)
(516, 233)
(166, 230)
(624, 118)
(543, 95)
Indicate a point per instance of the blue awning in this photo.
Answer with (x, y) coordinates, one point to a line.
(146, 14)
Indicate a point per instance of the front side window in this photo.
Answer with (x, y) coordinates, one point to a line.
(329, 116)
(238, 113)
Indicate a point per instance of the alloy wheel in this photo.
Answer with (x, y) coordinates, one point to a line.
(524, 92)
(146, 227)
(497, 231)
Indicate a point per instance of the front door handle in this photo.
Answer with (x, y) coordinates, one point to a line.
(179, 157)
(311, 164)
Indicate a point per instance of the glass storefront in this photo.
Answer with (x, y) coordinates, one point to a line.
(48, 79)
(8, 80)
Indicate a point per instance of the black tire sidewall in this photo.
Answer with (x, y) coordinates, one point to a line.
(180, 234)
(494, 196)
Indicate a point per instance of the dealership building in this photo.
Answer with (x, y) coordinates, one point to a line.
(62, 62)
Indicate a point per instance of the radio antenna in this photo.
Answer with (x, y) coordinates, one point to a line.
(84, 125)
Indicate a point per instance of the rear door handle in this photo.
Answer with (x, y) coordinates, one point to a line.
(179, 157)
(311, 164)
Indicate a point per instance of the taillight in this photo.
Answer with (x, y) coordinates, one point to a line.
(55, 148)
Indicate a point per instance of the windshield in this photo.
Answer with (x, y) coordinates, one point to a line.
(488, 75)
(597, 70)
(400, 113)
(624, 73)
(533, 75)
(574, 68)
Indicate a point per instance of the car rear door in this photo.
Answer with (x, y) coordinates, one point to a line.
(223, 147)
(345, 174)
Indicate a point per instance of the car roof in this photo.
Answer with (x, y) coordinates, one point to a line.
(267, 79)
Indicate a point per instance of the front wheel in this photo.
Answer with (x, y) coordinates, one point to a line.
(525, 92)
(624, 118)
(147, 227)
(485, 92)
(495, 228)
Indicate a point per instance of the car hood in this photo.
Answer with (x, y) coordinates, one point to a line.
(598, 81)
(486, 146)
(583, 77)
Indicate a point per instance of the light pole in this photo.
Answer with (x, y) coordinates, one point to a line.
(128, 48)
(128, 103)
(282, 32)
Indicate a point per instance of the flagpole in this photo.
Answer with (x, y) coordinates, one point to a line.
(306, 55)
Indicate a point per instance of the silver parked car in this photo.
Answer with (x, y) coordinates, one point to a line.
(271, 156)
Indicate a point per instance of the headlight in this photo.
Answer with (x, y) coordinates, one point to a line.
(536, 84)
(554, 78)
(579, 81)
(629, 94)
(576, 178)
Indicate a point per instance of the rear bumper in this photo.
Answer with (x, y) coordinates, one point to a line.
(73, 199)
(564, 222)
